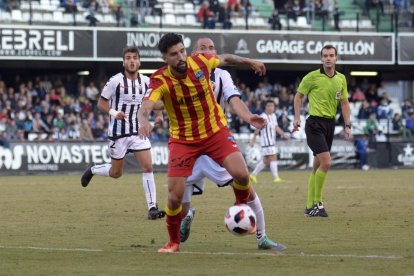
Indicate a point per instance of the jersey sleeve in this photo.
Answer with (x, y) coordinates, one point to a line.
(156, 89)
(305, 85)
(109, 89)
(211, 61)
(229, 89)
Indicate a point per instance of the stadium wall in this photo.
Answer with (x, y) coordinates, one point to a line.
(45, 158)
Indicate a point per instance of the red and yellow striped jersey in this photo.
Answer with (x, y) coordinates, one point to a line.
(191, 106)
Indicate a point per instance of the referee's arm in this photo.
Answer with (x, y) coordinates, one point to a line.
(346, 113)
(297, 105)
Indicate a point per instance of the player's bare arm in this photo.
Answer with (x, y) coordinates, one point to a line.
(103, 105)
(346, 113)
(230, 60)
(159, 105)
(244, 113)
(253, 141)
(282, 133)
(297, 105)
(143, 118)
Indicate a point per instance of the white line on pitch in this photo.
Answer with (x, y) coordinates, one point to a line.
(51, 248)
(208, 253)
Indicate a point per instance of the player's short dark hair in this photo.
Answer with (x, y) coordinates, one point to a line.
(168, 40)
(327, 47)
(270, 101)
(130, 49)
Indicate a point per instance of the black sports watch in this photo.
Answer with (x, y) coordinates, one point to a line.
(348, 126)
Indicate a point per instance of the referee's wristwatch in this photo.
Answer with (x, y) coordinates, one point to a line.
(348, 126)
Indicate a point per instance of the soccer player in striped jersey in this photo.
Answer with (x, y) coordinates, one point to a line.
(325, 89)
(121, 98)
(197, 124)
(268, 143)
(205, 167)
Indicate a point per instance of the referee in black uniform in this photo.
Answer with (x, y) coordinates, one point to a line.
(325, 89)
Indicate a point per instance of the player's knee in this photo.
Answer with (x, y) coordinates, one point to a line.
(147, 168)
(326, 165)
(174, 202)
(241, 177)
(115, 174)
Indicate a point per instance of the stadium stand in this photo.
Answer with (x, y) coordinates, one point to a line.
(315, 15)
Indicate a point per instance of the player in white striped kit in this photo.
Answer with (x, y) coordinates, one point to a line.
(205, 167)
(121, 98)
(268, 143)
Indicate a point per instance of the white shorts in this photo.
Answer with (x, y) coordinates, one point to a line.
(120, 147)
(205, 167)
(266, 151)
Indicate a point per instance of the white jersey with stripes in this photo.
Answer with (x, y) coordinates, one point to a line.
(268, 133)
(224, 88)
(125, 95)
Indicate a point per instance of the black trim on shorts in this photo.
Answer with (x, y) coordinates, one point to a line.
(137, 150)
(225, 184)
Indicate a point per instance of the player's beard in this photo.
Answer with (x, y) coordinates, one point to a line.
(181, 67)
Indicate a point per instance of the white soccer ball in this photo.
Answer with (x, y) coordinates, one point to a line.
(240, 220)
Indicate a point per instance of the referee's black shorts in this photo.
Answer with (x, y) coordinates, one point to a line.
(319, 133)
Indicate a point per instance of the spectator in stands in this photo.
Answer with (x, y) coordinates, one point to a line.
(261, 92)
(119, 17)
(398, 125)
(361, 146)
(92, 92)
(372, 96)
(256, 107)
(284, 122)
(85, 132)
(71, 7)
(59, 121)
(234, 5)
(247, 8)
(284, 99)
(93, 8)
(274, 21)
(371, 127)
(206, 16)
(214, 6)
(406, 108)
(409, 122)
(224, 16)
(336, 13)
(39, 126)
(357, 95)
(4, 140)
(384, 110)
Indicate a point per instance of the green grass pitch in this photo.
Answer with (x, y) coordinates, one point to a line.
(50, 225)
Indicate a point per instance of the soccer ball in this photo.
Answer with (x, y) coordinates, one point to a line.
(240, 220)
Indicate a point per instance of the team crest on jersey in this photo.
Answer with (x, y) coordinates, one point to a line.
(231, 139)
(338, 95)
(199, 75)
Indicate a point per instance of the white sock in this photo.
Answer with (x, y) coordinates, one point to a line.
(257, 208)
(149, 187)
(273, 169)
(102, 169)
(259, 167)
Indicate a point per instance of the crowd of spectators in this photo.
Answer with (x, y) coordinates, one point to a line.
(63, 108)
(211, 13)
